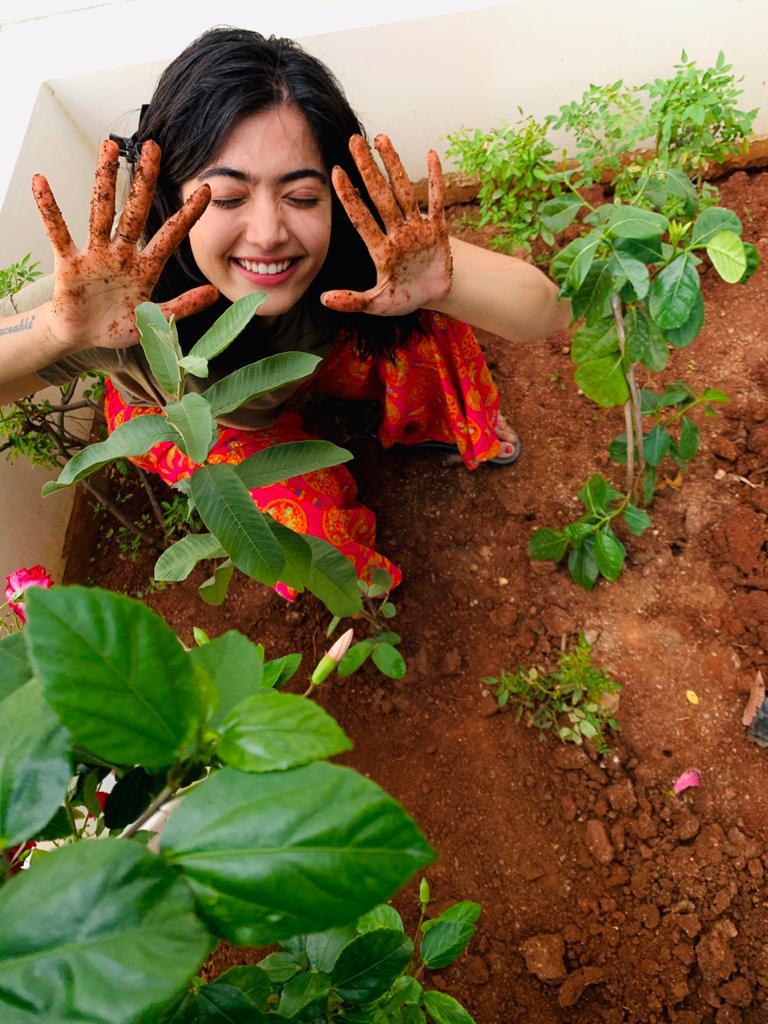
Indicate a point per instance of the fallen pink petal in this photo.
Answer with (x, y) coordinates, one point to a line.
(687, 779)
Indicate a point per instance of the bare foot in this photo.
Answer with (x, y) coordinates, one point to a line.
(506, 435)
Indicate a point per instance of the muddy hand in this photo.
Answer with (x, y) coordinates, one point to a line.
(98, 286)
(412, 254)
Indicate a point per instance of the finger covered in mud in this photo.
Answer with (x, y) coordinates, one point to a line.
(398, 177)
(361, 217)
(375, 182)
(190, 302)
(134, 215)
(436, 188)
(345, 301)
(176, 228)
(103, 194)
(53, 221)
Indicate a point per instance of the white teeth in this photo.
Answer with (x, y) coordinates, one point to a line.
(265, 268)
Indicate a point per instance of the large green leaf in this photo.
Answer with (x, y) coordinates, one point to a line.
(291, 852)
(593, 342)
(688, 444)
(273, 731)
(593, 299)
(322, 948)
(285, 461)
(156, 340)
(603, 380)
(115, 673)
(582, 564)
(366, 968)
(580, 251)
(305, 994)
(228, 326)
(726, 250)
(99, 931)
(444, 1009)
(584, 255)
(135, 437)
(178, 561)
(689, 331)
(673, 293)
(656, 444)
(332, 579)
(257, 379)
(634, 270)
(35, 767)
(296, 552)
(559, 213)
(235, 666)
(446, 937)
(753, 262)
(191, 417)
(383, 916)
(648, 250)
(635, 223)
(711, 222)
(219, 1003)
(228, 510)
(15, 669)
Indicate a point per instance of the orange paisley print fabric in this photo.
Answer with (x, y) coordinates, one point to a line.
(437, 389)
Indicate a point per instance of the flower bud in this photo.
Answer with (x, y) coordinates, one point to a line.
(329, 661)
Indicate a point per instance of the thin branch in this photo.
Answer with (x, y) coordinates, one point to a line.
(120, 516)
(158, 512)
(162, 797)
(628, 423)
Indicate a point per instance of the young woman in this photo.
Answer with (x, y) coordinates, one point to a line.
(250, 172)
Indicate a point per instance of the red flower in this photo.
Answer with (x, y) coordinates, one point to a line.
(21, 580)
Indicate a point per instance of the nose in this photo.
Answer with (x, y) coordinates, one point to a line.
(265, 228)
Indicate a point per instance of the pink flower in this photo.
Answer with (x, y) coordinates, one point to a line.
(21, 580)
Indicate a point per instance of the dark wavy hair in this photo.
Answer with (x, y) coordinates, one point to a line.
(228, 74)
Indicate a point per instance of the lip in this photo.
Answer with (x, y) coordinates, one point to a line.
(266, 280)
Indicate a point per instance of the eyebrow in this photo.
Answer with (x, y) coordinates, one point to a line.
(284, 179)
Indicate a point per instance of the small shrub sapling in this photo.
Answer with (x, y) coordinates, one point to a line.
(569, 701)
(240, 536)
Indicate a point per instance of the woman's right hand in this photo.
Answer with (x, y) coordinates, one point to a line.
(97, 287)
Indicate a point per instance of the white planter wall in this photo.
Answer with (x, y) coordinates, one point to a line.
(417, 70)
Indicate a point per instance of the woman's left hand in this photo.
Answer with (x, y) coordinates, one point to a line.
(412, 255)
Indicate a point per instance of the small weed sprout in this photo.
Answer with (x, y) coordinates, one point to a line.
(569, 701)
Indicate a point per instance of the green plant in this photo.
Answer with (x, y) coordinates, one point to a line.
(633, 278)
(264, 841)
(605, 123)
(366, 973)
(240, 536)
(381, 646)
(516, 175)
(569, 701)
(14, 277)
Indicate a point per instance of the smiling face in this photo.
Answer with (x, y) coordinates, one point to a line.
(269, 221)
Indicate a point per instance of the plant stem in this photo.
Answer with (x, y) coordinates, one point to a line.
(157, 511)
(632, 413)
(162, 797)
(120, 516)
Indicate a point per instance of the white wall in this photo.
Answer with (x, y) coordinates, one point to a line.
(417, 69)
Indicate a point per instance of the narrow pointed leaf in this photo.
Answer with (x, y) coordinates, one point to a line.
(158, 346)
(99, 931)
(279, 670)
(355, 657)
(178, 561)
(135, 437)
(229, 512)
(115, 674)
(194, 365)
(232, 321)
(447, 936)
(582, 564)
(191, 417)
(285, 461)
(256, 379)
(273, 731)
(332, 578)
(571, 265)
(296, 553)
(292, 852)
(444, 1009)
(656, 444)
(35, 766)
(688, 444)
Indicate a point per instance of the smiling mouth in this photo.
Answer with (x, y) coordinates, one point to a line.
(265, 268)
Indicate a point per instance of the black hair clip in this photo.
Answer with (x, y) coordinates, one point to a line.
(129, 145)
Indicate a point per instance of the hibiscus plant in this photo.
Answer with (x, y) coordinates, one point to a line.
(263, 841)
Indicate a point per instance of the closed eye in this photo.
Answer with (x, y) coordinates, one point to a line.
(226, 203)
(301, 201)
